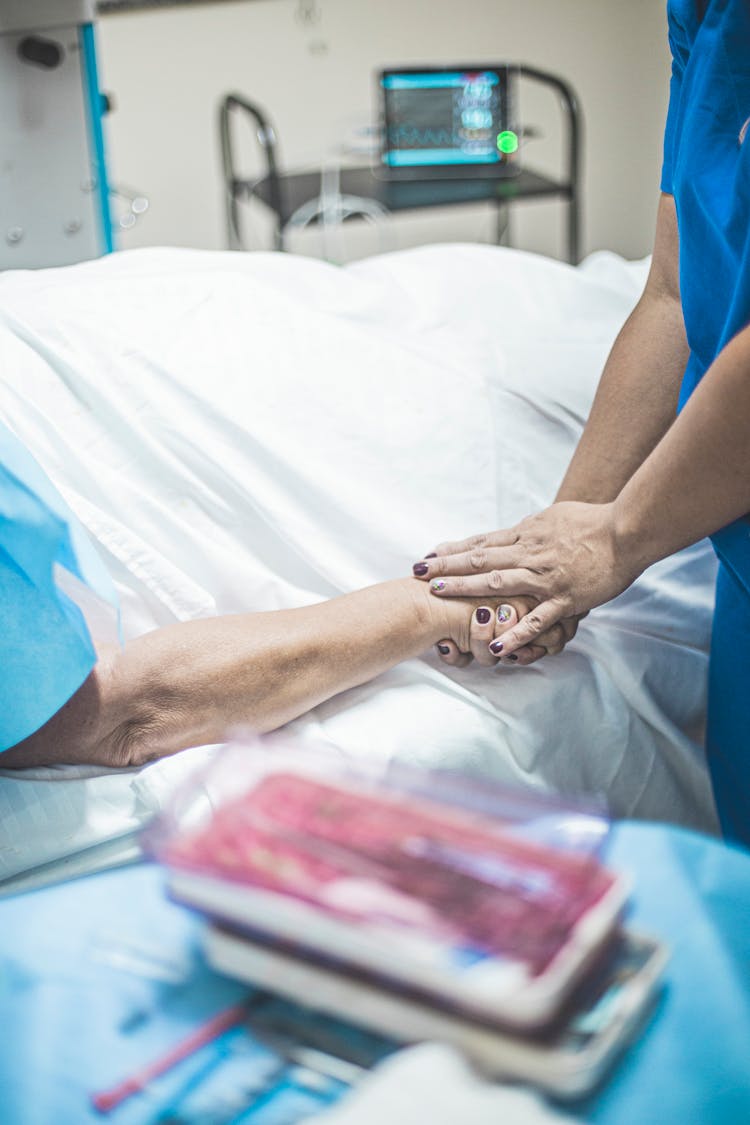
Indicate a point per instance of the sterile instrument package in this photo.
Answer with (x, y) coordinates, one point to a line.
(476, 900)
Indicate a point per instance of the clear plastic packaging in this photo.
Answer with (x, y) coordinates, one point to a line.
(476, 898)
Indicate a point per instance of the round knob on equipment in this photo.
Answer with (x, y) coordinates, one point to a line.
(41, 52)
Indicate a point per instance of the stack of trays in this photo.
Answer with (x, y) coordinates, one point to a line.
(401, 909)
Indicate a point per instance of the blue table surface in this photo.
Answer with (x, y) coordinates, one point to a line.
(100, 976)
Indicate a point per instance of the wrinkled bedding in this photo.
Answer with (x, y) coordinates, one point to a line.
(242, 432)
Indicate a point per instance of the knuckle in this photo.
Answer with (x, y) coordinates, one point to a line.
(495, 580)
(477, 559)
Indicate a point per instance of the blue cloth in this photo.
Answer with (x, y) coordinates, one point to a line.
(46, 652)
(728, 733)
(707, 169)
(100, 976)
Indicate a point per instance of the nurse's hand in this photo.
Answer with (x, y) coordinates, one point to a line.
(567, 557)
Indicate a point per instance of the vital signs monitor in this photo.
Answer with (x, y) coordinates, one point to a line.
(447, 122)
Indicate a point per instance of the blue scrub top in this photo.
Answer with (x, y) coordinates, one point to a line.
(46, 651)
(707, 169)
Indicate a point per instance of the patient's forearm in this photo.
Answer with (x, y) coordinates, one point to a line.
(189, 683)
(636, 400)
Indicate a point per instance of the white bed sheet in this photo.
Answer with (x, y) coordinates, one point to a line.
(245, 432)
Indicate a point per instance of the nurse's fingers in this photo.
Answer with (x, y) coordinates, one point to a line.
(505, 583)
(481, 632)
(503, 537)
(529, 629)
(552, 642)
(479, 560)
(506, 616)
(450, 653)
(529, 654)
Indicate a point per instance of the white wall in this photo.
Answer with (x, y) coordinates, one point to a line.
(168, 69)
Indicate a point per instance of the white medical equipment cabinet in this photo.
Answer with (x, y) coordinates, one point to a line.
(54, 196)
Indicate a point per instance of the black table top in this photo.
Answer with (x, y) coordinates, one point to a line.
(297, 188)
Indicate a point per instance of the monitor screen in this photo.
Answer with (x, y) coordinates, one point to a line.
(453, 117)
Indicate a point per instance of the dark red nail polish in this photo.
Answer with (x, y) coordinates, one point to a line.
(431, 555)
(444, 649)
(420, 569)
(512, 656)
(483, 615)
(496, 647)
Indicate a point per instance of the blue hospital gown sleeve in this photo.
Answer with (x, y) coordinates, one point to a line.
(682, 17)
(46, 651)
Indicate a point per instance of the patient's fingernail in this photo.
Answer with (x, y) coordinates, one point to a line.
(504, 613)
(512, 656)
(445, 649)
(431, 555)
(420, 569)
(437, 584)
(496, 647)
(483, 615)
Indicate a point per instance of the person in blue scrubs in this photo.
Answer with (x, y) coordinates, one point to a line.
(46, 651)
(665, 456)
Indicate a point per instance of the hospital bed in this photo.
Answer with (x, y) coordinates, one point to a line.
(250, 432)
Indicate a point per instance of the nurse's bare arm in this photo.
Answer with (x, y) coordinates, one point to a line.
(634, 406)
(636, 400)
(574, 556)
(187, 684)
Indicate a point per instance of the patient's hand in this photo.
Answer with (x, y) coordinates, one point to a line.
(489, 623)
(476, 623)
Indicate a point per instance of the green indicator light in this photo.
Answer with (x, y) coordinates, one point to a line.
(507, 141)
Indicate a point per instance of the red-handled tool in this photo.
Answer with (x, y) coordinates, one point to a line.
(108, 1100)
